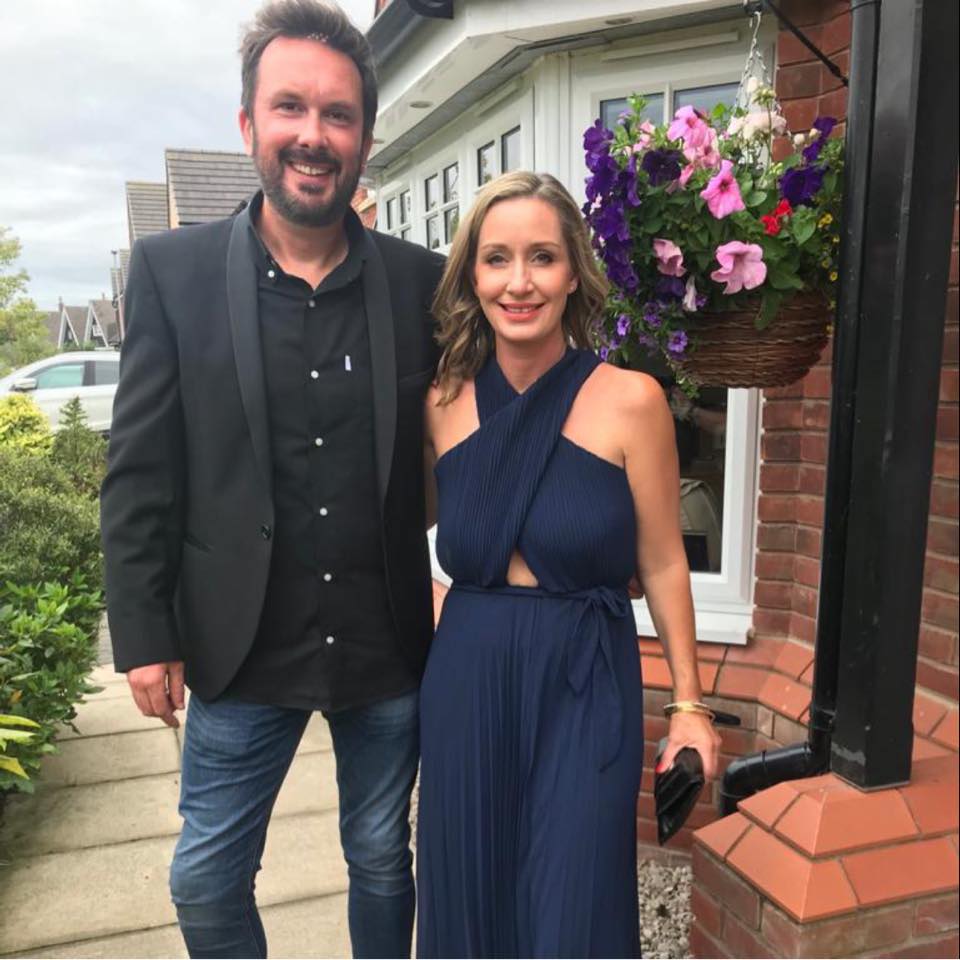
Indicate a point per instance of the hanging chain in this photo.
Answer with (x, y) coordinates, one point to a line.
(754, 67)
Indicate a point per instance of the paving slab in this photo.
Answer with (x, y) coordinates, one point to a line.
(58, 819)
(310, 787)
(101, 759)
(108, 715)
(316, 736)
(308, 928)
(105, 674)
(54, 897)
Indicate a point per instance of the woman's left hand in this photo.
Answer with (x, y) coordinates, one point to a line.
(692, 730)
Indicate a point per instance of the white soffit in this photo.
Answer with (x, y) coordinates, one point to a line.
(444, 56)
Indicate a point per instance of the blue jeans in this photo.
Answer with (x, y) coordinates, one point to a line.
(235, 758)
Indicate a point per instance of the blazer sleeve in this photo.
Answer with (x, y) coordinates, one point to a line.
(141, 501)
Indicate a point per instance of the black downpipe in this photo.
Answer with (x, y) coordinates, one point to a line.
(750, 774)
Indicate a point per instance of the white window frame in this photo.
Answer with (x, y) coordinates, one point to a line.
(395, 191)
(723, 601)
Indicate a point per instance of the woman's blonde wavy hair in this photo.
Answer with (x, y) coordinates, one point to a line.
(464, 334)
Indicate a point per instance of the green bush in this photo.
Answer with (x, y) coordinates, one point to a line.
(51, 530)
(81, 452)
(23, 425)
(48, 646)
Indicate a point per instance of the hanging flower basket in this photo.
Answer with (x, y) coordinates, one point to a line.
(720, 257)
(727, 349)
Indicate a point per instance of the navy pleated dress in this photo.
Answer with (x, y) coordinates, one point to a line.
(531, 705)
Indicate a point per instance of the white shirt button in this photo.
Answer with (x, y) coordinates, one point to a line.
(330, 641)
(323, 511)
(271, 273)
(314, 374)
(311, 303)
(318, 442)
(327, 577)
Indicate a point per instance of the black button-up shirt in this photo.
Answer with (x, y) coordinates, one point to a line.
(326, 638)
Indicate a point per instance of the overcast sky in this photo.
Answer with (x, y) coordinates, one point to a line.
(91, 92)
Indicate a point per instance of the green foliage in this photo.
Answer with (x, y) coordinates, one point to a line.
(9, 732)
(23, 425)
(80, 451)
(50, 528)
(23, 334)
(48, 646)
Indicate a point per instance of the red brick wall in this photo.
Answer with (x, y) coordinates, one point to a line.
(794, 441)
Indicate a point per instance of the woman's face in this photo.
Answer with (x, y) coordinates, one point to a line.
(522, 273)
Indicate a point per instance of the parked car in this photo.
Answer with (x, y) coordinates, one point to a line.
(91, 375)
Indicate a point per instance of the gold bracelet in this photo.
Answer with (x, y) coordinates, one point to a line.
(688, 706)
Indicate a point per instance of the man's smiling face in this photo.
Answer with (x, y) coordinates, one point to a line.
(306, 133)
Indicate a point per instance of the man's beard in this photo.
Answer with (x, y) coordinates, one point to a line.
(291, 206)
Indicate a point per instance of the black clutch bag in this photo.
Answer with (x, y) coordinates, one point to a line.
(675, 791)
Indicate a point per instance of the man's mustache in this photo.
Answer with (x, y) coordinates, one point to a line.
(316, 158)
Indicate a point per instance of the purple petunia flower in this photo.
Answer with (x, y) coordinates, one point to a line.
(662, 166)
(800, 184)
(823, 126)
(623, 325)
(670, 288)
(677, 342)
(610, 223)
(596, 141)
(651, 314)
(628, 181)
(604, 353)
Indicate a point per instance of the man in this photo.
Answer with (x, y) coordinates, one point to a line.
(263, 513)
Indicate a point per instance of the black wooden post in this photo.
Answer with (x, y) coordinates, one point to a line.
(910, 208)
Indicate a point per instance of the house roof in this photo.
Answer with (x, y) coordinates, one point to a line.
(146, 209)
(77, 318)
(106, 315)
(51, 320)
(208, 184)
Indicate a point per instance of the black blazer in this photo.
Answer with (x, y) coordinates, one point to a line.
(186, 507)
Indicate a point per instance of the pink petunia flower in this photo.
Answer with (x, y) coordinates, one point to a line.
(741, 266)
(722, 193)
(705, 157)
(689, 127)
(645, 136)
(670, 257)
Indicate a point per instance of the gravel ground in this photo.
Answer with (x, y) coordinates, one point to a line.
(664, 894)
(664, 909)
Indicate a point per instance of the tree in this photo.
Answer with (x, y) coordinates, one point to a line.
(23, 335)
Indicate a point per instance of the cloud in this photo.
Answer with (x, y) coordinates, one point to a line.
(93, 91)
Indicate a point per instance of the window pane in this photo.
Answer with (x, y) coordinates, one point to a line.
(106, 372)
(705, 99)
(510, 151)
(451, 180)
(485, 161)
(431, 192)
(62, 375)
(700, 429)
(405, 206)
(391, 212)
(405, 233)
(451, 220)
(610, 110)
(433, 233)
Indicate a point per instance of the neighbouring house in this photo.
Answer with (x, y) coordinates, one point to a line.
(103, 323)
(66, 325)
(486, 86)
(205, 185)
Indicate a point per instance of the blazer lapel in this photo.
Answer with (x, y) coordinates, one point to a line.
(245, 327)
(383, 359)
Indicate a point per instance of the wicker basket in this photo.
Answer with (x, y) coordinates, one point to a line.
(727, 350)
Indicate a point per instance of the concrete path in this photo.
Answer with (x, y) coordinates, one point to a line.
(83, 863)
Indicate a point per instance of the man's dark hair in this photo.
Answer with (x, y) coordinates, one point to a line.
(307, 20)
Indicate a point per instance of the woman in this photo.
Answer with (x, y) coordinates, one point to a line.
(557, 483)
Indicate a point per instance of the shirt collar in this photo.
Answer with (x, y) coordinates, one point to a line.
(264, 262)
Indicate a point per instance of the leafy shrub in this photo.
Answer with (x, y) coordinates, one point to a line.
(23, 425)
(9, 732)
(48, 647)
(50, 530)
(81, 452)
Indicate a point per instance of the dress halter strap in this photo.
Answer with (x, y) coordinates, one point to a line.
(518, 434)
